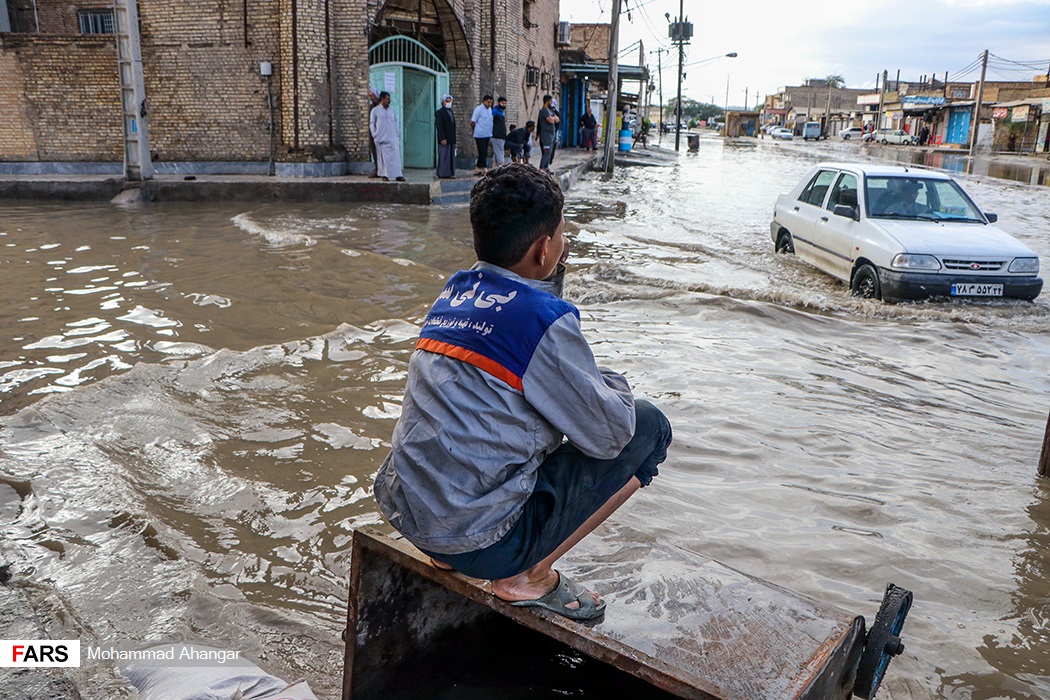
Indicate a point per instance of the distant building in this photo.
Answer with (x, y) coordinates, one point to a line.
(209, 106)
(584, 60)
(791, 106)
(1012, 114)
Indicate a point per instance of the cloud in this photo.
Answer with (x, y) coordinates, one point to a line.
(783, 44)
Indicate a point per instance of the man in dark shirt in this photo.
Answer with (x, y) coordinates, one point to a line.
(518, 142)
(547, 125)
(499, 131)
(588, 127)
(445, 123)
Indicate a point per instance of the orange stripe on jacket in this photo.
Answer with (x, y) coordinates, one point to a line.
(470, 357)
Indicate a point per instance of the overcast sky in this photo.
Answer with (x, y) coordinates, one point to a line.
(782, 42)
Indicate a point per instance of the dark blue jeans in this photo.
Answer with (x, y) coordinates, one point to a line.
(570, 487)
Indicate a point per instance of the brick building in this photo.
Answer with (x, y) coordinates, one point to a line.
(210, 108)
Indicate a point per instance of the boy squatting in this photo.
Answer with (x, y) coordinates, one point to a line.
(512, 443)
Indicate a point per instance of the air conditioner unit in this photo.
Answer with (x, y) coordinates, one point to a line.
(564, 33)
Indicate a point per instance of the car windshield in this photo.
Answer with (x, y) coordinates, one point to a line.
(903, 197)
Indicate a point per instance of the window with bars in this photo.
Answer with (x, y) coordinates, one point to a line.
(526, 14)
(96, 21)
(532, 76)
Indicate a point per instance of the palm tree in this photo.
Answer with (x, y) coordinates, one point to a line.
(835, 81)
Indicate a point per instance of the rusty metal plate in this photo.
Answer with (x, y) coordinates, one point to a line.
(682, 623)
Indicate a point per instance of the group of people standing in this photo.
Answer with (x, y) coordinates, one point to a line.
(488, 124)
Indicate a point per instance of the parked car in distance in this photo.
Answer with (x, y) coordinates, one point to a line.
(898, 233)
(812, 130)
(852, 132)
(782, 133)
(897, 136)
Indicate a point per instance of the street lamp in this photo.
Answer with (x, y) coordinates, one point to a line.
(702, 61)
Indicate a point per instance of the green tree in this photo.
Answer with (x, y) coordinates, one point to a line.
(691, 109)
(835, 80)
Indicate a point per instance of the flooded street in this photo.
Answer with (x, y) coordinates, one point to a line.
(194, 400)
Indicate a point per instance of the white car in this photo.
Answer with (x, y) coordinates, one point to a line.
(851, 132)
(897, 136)
(782, 133)
(898, 233)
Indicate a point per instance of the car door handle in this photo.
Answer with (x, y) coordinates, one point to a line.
(796, 208)
(824, 219)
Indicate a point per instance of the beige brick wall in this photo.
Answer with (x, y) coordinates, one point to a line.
(17, 138)
(592, 40)
(59, 93)
(64, 99)
(205, 96)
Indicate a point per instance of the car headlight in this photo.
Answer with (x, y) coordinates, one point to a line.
(1025, 265)
(908, 261)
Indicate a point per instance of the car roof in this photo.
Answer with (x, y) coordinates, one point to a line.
(886, 170)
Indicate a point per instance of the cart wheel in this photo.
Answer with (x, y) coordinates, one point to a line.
(883, 641)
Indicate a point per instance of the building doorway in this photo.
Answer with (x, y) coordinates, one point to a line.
(416, 79)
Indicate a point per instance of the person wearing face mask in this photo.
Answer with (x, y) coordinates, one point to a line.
(499, 131)
(445, 123)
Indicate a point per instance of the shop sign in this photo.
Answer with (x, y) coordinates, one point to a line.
(1000, 113)
(1019, 114)
(922, 100)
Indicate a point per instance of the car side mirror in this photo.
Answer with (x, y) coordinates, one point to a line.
(992, 218)
(846, 211)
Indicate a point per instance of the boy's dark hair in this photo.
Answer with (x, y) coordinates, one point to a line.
(486, 97)
(530, 125)
(510, 209)
(512, 127)
(383, 94)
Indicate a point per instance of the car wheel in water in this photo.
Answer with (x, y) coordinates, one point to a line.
(866, 283)
(784, 244)
(885, 142)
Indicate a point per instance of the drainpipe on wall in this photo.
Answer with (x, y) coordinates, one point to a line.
(295, 74)
(328, 67)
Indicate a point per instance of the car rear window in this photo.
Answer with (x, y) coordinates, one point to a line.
(816, 188)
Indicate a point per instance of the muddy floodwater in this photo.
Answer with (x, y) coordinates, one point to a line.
(194, 400)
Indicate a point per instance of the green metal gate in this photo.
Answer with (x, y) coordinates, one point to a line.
(416, 79)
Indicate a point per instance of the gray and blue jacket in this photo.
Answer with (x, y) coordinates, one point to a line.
(500, 376)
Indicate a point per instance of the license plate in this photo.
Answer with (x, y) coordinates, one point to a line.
(977, 290)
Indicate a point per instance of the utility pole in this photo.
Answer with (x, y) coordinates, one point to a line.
(611, 134)
(682, 30)
(725, 114)
(977, 104)
(660, 72)
(882, 103)
(827, 116)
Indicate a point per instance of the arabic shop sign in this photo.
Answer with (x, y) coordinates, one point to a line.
(922, 100)
(1019, 114)
(1000, 112)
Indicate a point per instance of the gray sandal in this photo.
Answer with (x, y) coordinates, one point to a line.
(564, 593)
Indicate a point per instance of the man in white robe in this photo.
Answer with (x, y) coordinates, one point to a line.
(382, 123)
